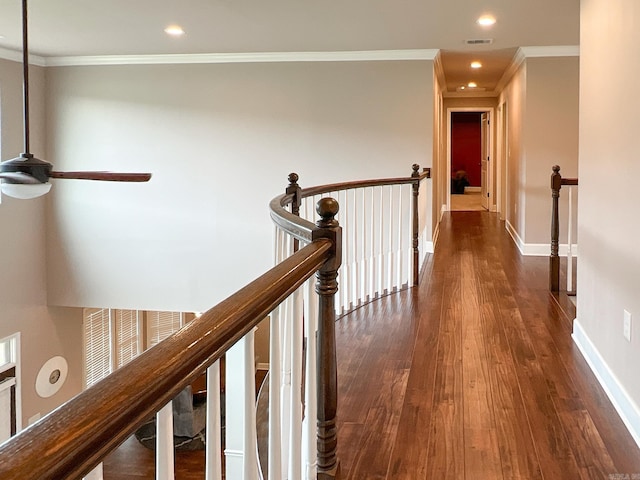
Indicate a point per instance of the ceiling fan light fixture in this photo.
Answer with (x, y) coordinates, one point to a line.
(25, 192)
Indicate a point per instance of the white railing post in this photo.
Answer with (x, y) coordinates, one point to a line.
(213, 453)
(95, 474)
(569, 243)
(310, 430)
(164, 443)
(249, 444)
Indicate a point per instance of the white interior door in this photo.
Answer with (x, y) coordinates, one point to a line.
(484, 161)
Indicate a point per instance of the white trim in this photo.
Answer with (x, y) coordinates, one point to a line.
(16, 56)
(536, 249)
(7, 383)
(473, 189)
(620, 398)
(436, 235)
(544, 249)
(255, 57)
(514, 235)
(551, 51)
(428, 247)
(262, 366)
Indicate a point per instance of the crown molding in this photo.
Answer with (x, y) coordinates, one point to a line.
(16, 56)
(439, 72)
(257, 57)
(553, 51)
(535, 52)
(513, 67)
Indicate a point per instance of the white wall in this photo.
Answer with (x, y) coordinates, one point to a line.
(609, 264)
(542, 105)
(45, 332)
(220, 141)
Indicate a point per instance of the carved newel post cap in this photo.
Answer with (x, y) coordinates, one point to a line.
(293, 178)
(415, 168)
(556, 168)
(327, 208)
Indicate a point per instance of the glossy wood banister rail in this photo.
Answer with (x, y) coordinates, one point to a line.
(71, 440)
(336, 187)
(554, 259)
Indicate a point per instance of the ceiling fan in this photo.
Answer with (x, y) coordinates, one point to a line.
(33, 173)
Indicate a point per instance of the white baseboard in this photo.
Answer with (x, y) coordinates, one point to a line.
(262, 366)
(442, 210)
(537, 249)
(473, 189)
(622, 402)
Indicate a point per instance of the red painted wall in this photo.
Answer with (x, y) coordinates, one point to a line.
(466, 144)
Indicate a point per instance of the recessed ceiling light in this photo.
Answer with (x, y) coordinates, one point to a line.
(462, 87)
(476, 65)
(486, 20)
(174, 30)
(472, 84)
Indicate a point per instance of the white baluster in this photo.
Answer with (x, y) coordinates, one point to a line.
(275, 358)
(400, 246)
(285, 380)
(569, 243)
(355, 257)
(381, 247)
(213, 453)
(95, 474)
(390, 236)
(164, 443)
(310, 431)
(250, 459)
(295, 422)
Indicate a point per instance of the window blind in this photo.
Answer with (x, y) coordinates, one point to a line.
(97, 345)
(162, 324)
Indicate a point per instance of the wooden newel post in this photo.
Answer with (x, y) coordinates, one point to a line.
(554, 259)
(294, 189)
(326, 287)
(414, 236)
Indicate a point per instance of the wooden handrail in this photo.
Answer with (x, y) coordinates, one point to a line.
(554, 259)
(336, 187)
(71, 440)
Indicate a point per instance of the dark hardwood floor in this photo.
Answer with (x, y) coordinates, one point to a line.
(473, 375)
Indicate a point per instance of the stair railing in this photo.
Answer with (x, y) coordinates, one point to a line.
(383, 225)
(72, 440)
(386, 232)
(557, 182)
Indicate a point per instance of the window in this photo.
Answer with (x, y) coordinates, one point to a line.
(112, 338)
(10, 420)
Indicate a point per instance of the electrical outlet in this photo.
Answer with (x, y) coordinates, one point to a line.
(626, 329)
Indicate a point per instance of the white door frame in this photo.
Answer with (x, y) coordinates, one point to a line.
(491, 187)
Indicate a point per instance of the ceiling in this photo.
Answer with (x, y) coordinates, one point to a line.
(127, 27)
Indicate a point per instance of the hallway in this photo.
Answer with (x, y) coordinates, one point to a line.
(473, 375)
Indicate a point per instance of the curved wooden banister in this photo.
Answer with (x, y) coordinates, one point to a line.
(336, 187)
(297, 227)
(71, 440)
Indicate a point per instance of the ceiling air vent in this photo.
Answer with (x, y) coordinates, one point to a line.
(479, 41)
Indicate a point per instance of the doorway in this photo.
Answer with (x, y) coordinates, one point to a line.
(469, 142)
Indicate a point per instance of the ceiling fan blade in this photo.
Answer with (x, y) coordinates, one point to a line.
(103, 176)
(19, 178)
